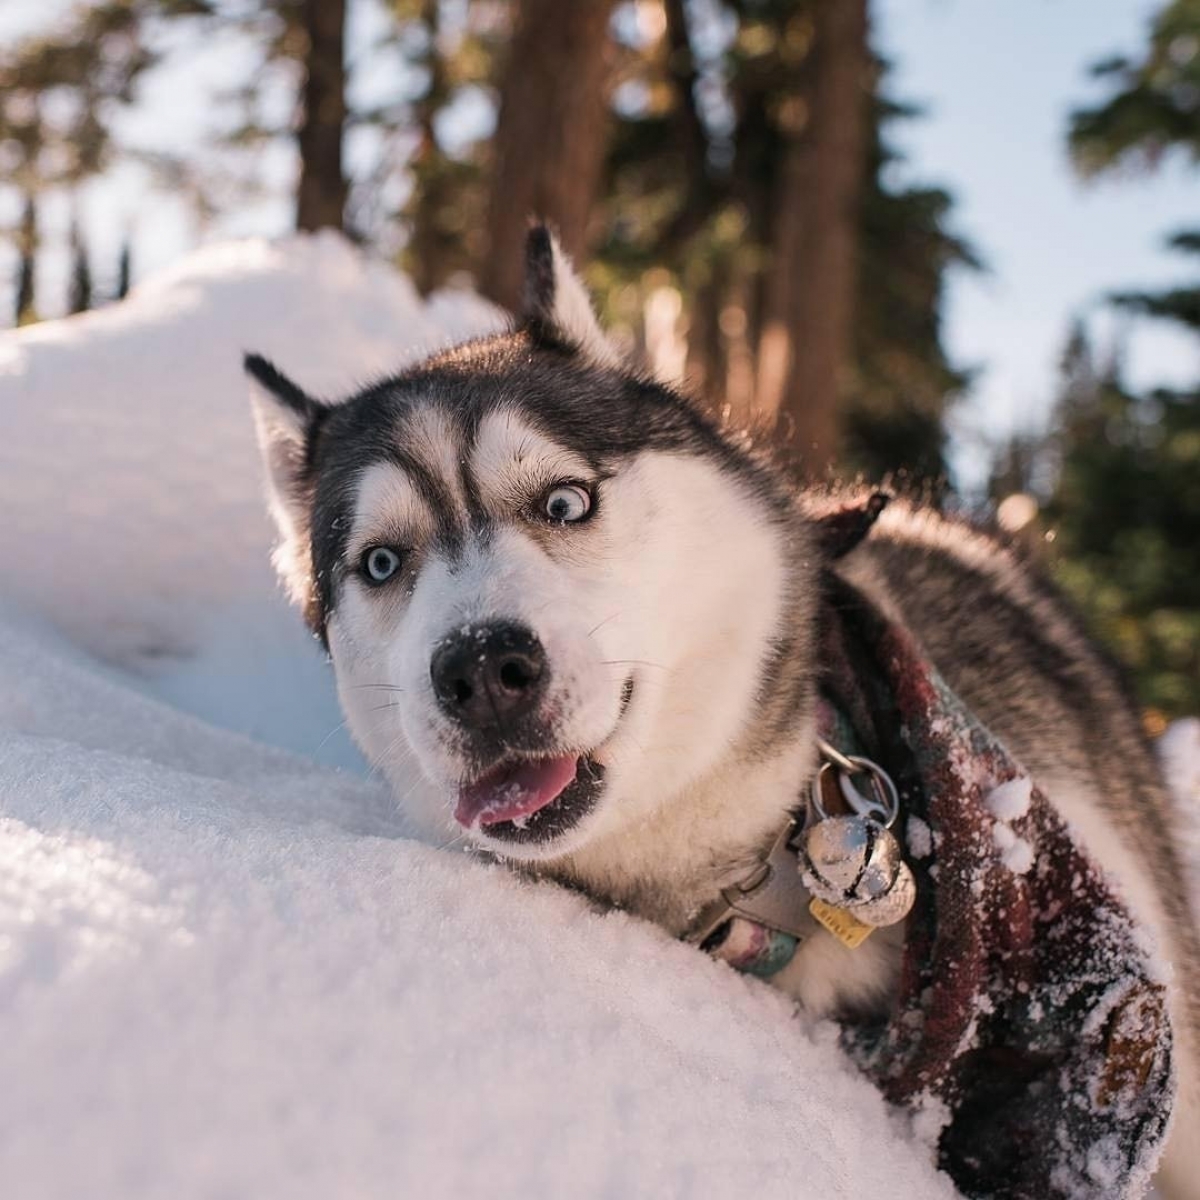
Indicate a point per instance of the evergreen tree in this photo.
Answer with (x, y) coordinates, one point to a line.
(1126, 502)
(1125, 509)
(1154, 102)
(457, 51)
(698, 183)
(900, 382)
(91, 67)
(734, 150)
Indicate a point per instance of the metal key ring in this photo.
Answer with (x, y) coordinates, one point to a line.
(883, 808)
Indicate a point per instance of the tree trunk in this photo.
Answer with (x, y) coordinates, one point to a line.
(124, 270)
(809, 297)
(25, 310)
(551, 136)
(321, 195)
(79, 293)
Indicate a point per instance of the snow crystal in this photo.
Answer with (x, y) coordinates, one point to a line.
(919, 837)
(1015, 852)
(1018, 858)
(227, 970)
(1010, 801)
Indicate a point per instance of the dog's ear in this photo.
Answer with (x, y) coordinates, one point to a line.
(556, 306)
(287, 420)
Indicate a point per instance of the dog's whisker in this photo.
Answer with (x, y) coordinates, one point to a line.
(336, 729)
(450, 842)
(601, 625)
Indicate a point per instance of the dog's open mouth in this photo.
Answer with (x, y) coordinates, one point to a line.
(528, 799)
(531, 800)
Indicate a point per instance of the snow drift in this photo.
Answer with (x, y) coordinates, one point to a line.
(224, 968)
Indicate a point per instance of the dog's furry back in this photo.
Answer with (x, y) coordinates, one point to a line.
(1017, 656)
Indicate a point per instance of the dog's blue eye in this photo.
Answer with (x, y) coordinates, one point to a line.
(380, 563)
(568, 502)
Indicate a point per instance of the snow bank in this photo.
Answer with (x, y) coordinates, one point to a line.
(133, 507)
(225, 970)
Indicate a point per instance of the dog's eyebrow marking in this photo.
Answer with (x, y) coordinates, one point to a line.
(429, 449)
(388, 508)
(510, 458)
(477, 513)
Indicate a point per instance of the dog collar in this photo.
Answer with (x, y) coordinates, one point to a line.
(758, 923)
(842, 873)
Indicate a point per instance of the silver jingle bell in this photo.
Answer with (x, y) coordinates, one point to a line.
(853, 862)
(835, 851)
(893, 905)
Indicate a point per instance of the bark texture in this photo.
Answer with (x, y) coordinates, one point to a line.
(551, 136)
(321, 195)
(808, 301)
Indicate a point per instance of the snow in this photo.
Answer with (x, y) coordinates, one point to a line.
(225, 968)
(919, 837)
(1010, 801)
(1015, 852)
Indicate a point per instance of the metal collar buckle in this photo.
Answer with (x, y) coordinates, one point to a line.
(772, 894)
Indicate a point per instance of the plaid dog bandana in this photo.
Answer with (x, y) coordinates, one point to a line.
(1031, 1017)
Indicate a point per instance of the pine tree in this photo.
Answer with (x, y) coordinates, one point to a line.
(900, 382)
(92, 65)
(1127, 498)
(1125, 510)
(697, 183)
(458, 52)
(1154, 104)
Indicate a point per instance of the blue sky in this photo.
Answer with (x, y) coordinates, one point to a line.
(997, 79)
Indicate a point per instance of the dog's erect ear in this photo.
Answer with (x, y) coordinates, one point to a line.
(287, 420)
(556, 304)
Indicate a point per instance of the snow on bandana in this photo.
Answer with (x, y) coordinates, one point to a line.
(1030, 1013)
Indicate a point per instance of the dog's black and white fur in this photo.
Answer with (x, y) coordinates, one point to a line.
(520, 552)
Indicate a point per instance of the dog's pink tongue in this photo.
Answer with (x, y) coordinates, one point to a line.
(515, 791)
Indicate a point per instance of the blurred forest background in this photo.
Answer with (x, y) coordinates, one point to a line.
(722, 167)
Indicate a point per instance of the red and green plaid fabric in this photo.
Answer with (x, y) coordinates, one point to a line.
(1031, 1015)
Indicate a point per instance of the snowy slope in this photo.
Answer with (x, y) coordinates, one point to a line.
(225, 970)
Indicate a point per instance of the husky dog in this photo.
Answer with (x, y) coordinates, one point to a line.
(573, 621)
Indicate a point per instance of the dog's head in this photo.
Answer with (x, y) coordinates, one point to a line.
(550, 588)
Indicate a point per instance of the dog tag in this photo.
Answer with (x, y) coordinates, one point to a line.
(844, 926)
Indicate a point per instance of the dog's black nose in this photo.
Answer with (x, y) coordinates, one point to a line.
(485, 675)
